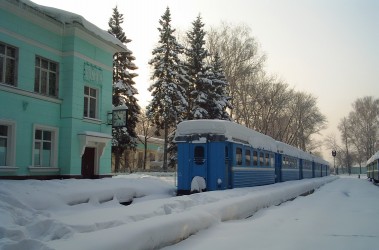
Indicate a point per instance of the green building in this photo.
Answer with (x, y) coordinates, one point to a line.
(55, 93)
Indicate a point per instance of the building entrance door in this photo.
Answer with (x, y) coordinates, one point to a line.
(88, 163)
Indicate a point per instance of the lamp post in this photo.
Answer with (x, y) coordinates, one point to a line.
(334, 153)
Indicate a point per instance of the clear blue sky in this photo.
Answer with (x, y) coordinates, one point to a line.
(329, 48)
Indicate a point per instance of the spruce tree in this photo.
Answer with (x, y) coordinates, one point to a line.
(200, 84)
(168, 103)
(219, 99)
(123, 91)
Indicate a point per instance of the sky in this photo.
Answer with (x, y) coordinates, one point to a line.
(86, 214)
(328, 48)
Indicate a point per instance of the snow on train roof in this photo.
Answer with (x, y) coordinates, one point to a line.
(69, 17)
(292, 151)
(237, 132)
(231, 130)
(373, 158)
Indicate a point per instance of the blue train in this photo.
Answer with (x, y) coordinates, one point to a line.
(218, 155)
(373, 168)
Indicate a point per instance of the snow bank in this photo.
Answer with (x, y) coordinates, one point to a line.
(172, 220)
(86, 214)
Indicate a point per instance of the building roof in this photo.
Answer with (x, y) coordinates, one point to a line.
(66, 17)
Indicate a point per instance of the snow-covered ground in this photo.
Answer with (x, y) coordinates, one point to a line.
(86, 214)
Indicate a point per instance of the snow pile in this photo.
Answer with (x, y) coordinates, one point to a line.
(86, 214)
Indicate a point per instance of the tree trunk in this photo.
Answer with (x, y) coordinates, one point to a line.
(145, 154)
(165, 147)
(117, 159)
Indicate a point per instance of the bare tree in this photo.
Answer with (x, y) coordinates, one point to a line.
(145, 131)
(359, 131)
(239, 55)
(345, 129)
(261, 101)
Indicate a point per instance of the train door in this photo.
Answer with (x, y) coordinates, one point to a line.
(278, 168)
(199, 165)
(228, 169)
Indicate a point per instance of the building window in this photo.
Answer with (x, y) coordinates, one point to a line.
(4, 145)
(7, 142)
(90, 102)
(152, 156)
(44, 152)
(8, 64)
(46, 77)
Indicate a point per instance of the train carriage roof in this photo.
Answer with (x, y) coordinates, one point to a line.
(238, 133)
(289, 150)
(373, 158)
(232, 131)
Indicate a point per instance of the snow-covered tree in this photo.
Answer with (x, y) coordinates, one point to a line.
(200, 85)
(123, 91)
(218, 96)
(169, 102)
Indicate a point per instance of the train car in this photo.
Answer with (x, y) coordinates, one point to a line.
(373, 167)
(217, 155)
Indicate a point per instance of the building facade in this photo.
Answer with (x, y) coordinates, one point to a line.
(133, 160)
(55, 93)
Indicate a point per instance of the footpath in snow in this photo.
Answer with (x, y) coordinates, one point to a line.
(341, 215)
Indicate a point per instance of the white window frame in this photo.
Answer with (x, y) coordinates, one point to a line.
(4, 57)
(54, 147)
(11, 145)
(47, 71)
(87, 98)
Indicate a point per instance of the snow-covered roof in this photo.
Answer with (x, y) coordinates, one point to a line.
(237, 132)
(289, 150)
(66, 17)
(373, 158)
(231, 130)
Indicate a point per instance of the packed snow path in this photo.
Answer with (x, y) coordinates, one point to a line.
(86, 214)
(341, 215)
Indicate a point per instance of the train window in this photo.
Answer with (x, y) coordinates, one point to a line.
(261, 159)
(272, 160)
(199, 155)
(239, 156)
(255, 158)
(284, 161)
(267, 159)
(247, 157)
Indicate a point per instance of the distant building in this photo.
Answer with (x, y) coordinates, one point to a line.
(356, 169)
(133, 160)
(55, 93)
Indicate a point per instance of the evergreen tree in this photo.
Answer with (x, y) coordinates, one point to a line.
(123, 91)
(168, 103)
(219, 99)
(200, 85)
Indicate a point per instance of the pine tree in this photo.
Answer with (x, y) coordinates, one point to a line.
(200, 87)
(123, 91)
(168, 103)
(219, 98)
